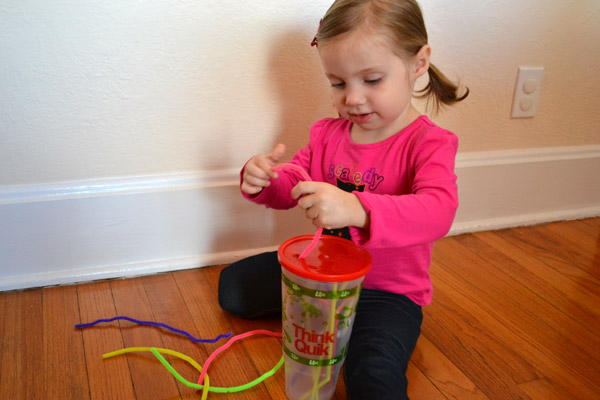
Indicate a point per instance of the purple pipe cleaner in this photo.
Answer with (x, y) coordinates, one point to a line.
(157, 324)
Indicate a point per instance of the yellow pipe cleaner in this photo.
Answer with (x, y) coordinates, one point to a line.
(206, 387)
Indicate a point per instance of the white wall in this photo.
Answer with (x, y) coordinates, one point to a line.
(123, 124)
(484, 43)
(116, 88)
(112, 88)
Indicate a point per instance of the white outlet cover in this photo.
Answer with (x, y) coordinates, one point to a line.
(524, 94)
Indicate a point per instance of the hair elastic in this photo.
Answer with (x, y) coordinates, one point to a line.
(314, 41)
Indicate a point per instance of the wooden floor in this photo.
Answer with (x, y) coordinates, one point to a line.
(516, 315)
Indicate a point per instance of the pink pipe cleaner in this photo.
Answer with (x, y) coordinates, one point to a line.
(228, 344)
(306, 177)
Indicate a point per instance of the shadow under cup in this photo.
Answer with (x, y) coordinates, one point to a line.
(319, 294)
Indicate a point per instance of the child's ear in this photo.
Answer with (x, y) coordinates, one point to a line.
(422, 60)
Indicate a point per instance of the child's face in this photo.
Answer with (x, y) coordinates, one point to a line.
(371, 85)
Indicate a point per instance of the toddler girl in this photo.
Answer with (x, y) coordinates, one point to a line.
(382, 176)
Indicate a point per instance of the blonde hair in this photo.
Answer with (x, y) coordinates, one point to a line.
(402, 22)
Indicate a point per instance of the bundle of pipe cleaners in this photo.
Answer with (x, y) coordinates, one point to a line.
(203, 382)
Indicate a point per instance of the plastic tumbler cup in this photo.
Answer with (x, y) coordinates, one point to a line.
(319, 295)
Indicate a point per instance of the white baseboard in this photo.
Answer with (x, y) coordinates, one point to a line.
(98, 229)
(491, 224)
(503, 189)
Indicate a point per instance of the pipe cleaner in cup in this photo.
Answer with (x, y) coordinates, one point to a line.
(319, 292)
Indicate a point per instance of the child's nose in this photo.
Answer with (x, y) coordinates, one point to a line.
(354, 97)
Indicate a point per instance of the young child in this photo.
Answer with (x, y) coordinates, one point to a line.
(383, 177)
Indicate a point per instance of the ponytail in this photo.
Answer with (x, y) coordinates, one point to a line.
(444, 91)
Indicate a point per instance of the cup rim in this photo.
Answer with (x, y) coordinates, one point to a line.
(346, 263)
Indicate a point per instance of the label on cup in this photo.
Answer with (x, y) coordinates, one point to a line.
(315, 363)
(319, 294)
(317, 323)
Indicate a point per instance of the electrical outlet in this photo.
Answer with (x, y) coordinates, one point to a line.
(527, 92)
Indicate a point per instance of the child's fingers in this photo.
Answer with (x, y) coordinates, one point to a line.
(277, 153)
(303, 191)
(303, 188)
(272, 160)
(258, 172)
(266, 166)
(250, 189)
(260, 167)
(253, 180)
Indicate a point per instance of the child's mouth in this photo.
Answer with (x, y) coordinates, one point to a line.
(361, 118)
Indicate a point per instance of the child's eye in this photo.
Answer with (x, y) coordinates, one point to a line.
(337, 84)
(372, 81)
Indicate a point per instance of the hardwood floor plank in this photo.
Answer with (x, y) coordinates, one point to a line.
(545, 389)
(547, 321)
(21, 345)
(521, 331)
(150, 379)
(420, 387)
(584, 247)
(582, 236)
(550, 248)
(442, 374)
(466, 338)
(169, 307)
(65, 373)
(592, 222)
(541, 320)
(537, 248)
(535, 354)
(234, 367)
(587, 226)
(7, 341)
(561, 292)
(110, 378)
(340, 388)
(4, 338)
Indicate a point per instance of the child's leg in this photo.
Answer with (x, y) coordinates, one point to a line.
(384, 335)
(252, 287)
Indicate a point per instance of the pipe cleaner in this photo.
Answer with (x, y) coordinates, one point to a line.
(306, 177)
(156, 352)
(156, 324)
(190, 360)
(229, 343)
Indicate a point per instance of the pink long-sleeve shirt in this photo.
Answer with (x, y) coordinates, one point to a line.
(405, 183)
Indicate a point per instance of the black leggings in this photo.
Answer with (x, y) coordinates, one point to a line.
(384, 335)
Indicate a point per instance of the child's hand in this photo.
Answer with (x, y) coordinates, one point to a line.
(259, 170)
(330, 207)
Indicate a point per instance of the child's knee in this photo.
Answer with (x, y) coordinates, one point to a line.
(251, 287)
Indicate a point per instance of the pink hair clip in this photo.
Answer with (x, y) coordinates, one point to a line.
(314, 41)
